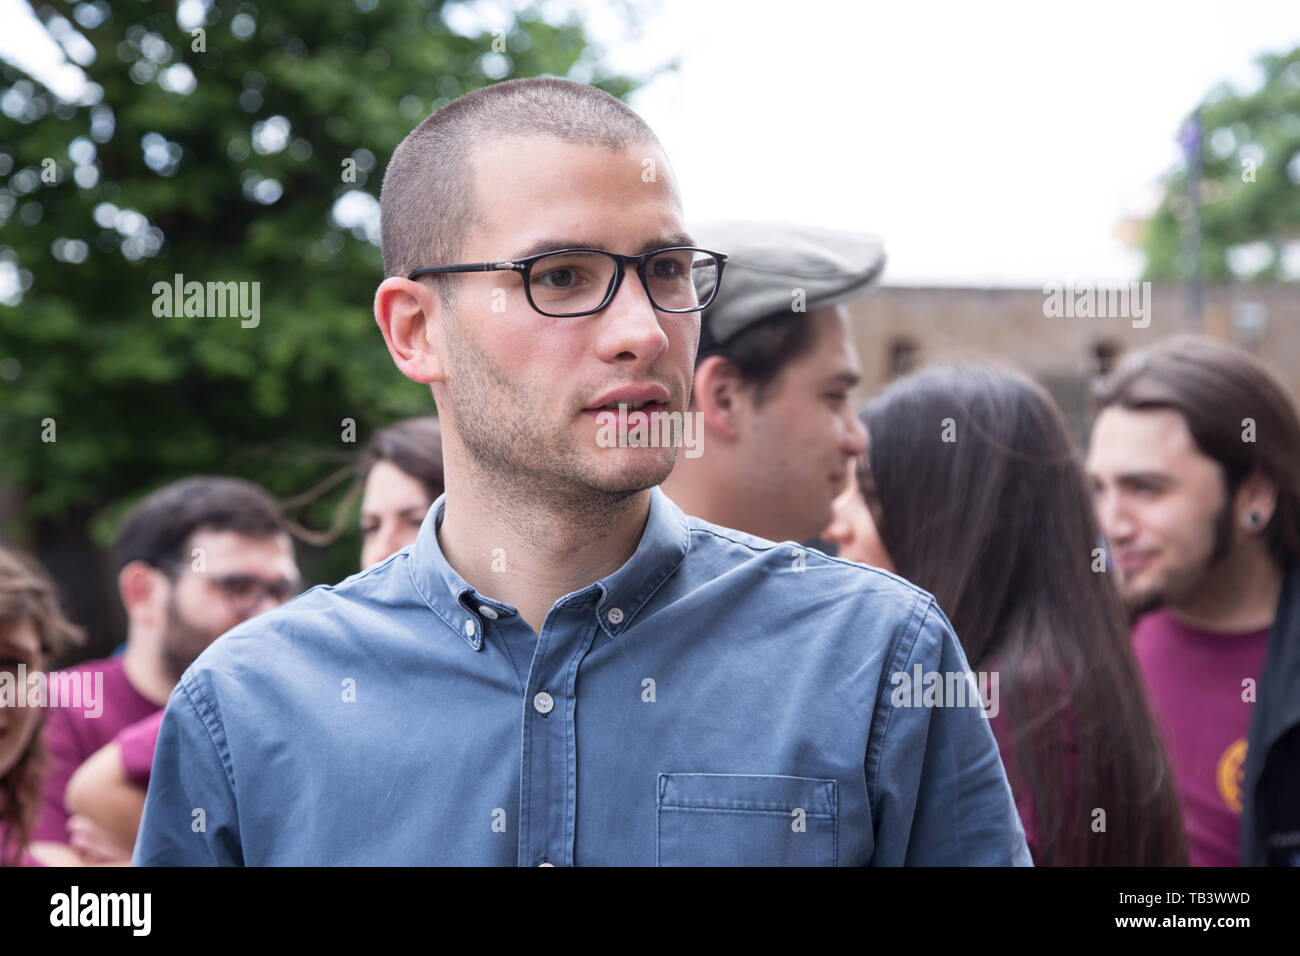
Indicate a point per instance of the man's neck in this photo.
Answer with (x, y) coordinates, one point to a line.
(717, 495)
(1237, 596)
(529, 553)
(145, 671)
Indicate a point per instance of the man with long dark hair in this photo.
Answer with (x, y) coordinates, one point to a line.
(1195, 462)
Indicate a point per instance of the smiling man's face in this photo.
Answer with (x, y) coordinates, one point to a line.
(1160, 503)
(520, 388)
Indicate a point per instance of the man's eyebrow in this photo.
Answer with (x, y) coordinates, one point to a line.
(1147, 477)
(551, 245)
(848, 377)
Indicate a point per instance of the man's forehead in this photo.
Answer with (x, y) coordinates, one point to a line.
(231, 546)
(834, 350)
(1131, 440)
(532, 191)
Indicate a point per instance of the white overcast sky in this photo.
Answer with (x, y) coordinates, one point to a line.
(994, 143)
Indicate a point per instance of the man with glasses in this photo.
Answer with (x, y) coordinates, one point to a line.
(194, 559)
(564, 669)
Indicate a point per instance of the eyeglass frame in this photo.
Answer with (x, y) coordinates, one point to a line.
(173, 570)
(524, 266)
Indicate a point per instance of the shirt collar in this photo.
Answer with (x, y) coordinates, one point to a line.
(616, 598)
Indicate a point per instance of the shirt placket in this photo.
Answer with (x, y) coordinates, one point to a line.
(549, 772)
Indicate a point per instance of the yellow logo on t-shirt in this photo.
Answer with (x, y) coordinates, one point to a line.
(1231, 774)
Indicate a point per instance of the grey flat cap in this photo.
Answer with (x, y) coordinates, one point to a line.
(768, 261)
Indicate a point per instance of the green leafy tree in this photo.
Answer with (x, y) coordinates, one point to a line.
(226, 142)
(1250, 188)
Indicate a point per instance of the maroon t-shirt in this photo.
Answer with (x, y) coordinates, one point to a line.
(71, 736)
(1203, 687)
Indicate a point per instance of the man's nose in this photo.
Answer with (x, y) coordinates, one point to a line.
(1116, 523)
(855, 435)
(630, 325)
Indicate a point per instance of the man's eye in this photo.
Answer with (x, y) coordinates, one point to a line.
(368, 529)
(667, 268)
(558, 278)
(239, 587)
(838, 397)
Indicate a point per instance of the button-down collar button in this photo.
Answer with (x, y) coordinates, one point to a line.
(488, 612)
(469, 627)
(615, 615)
(543, 703)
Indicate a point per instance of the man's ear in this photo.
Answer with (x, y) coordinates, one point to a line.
(1257, 496)
(142, 588)
(409, 314)
(721, 396)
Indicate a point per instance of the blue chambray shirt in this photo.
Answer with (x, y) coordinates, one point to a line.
(719, 699)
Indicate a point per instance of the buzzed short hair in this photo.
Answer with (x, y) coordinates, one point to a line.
(427, 202)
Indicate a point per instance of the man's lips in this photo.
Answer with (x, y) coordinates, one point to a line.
(654, 397)
(1132, 560)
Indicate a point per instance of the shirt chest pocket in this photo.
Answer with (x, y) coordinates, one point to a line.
(728, 819)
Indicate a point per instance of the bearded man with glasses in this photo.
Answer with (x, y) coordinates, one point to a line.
(194, 558)
(565, 669)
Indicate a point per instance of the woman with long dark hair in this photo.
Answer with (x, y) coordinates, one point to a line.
(32, 630)
(972, 488)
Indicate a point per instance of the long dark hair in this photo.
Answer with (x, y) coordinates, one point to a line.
(26, 592)
(978, 494)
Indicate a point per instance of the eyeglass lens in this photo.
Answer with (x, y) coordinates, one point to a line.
(570, 283)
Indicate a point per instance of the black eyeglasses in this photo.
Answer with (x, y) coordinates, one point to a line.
(572, 282)
(239, 591)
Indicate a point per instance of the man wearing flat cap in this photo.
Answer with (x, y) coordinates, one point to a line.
(773, 373)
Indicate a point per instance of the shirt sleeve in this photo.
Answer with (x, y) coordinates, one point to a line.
(137, 744)
(189, 813)
(939, 793)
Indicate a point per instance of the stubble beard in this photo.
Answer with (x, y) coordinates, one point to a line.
(182, 641)
(510, 450)
(1181, 584)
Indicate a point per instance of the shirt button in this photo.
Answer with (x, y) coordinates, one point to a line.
(469, 627)
(544, 863)
(543, 703)
(487, 612)
(615, 615)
